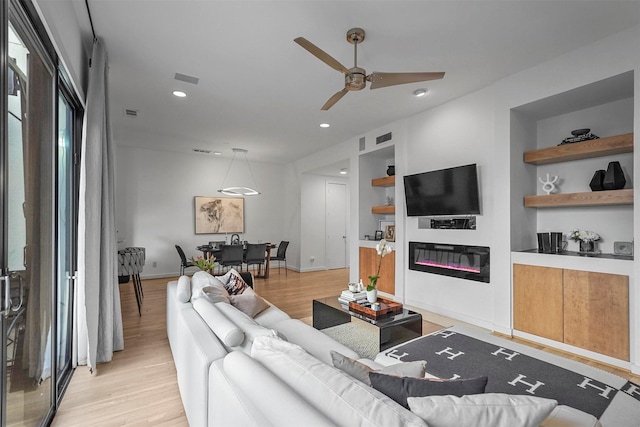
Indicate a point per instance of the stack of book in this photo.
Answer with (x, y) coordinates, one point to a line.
(347, 296)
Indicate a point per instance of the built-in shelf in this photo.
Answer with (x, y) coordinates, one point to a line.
(387, 181)
(384, 210)
(593, 198)
(581, 150)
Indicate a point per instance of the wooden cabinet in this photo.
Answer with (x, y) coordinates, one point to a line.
(596, 312)
(369, 266)
(580, 308)
(581, 150)
(537, 301)
(387, 181)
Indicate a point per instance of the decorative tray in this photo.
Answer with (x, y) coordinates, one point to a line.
(386, 307)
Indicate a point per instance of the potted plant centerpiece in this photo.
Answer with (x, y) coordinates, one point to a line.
(204, 264)
(382, 248)
(587, 240)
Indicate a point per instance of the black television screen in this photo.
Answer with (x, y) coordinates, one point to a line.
(452, 191)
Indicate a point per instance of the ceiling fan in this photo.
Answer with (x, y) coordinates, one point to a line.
(355, 78)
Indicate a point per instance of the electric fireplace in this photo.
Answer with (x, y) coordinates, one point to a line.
(465, 262)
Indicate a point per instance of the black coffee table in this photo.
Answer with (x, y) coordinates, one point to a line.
(394, 328)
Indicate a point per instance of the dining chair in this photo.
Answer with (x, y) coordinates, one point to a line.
(281, 255)
(184, 263)
(256, 254)
(231, 256)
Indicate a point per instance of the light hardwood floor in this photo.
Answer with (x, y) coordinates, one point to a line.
(138, 387)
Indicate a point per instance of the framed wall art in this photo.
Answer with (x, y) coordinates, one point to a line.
(390, 233)
(219, 215)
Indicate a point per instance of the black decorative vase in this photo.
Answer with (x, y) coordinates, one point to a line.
(391, 170)
(596, 181)
(614, 178)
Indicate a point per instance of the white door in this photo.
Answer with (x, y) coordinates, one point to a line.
(336, 220)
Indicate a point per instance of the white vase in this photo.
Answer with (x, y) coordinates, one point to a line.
(372, 296)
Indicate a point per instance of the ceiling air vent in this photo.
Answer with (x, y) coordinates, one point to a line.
(187, 79)
(201, 150)
(383, 138)
(130, 113)
(361, 143)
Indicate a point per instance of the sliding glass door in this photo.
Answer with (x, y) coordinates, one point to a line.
(37, 243)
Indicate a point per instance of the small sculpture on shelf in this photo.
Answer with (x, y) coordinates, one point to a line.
(549, 186)
(614, 177)
(579, 135)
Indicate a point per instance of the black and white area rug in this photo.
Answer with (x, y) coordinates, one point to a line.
(513, 368)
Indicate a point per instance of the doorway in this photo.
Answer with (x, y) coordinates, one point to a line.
(37, 210)
(337, 225)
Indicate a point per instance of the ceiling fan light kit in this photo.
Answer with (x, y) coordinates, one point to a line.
(356, 78)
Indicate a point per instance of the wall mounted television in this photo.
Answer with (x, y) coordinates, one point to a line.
(452, 191)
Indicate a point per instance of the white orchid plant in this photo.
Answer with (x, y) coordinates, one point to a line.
(583, 235)
(382, 248)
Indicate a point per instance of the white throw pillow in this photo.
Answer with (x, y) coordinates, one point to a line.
(183, 289)
(482, 410)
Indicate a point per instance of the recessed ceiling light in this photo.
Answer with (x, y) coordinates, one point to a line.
(343, 171)
(420, 92)
(324, 125)
(179, 93)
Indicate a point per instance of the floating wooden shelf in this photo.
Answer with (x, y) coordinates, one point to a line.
(385, 210)
(387, 181)
(581, 150)
(593, 198)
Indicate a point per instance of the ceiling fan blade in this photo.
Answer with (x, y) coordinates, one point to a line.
(321, 55)
(379, 80)
(335, 98)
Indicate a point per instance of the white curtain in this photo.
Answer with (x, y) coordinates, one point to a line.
(98, 320)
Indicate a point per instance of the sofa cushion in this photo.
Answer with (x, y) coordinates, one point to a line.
(226, 331)
(563, 416)
(360, 371)
(491, 409)
(312, 340)
(278, 404)
(249, 304)
(183, 290)
(345, 401)
(400, 388)
(248, 325)
(204, 284)
(271, 316)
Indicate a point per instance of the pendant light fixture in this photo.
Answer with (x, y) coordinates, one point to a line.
(239, 190)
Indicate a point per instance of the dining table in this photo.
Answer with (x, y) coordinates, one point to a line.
(209, 251)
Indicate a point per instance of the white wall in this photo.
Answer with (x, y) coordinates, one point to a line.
(478, 129)
(155, 203)
(457, 133)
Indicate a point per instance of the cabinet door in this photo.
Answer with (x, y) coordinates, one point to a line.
(596, 313)
(537, 301)
(369, 266)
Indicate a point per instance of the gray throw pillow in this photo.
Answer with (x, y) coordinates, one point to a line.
(400, 388)
(249, 304)
(360, 371)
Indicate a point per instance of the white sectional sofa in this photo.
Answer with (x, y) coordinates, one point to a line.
(270, 370)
